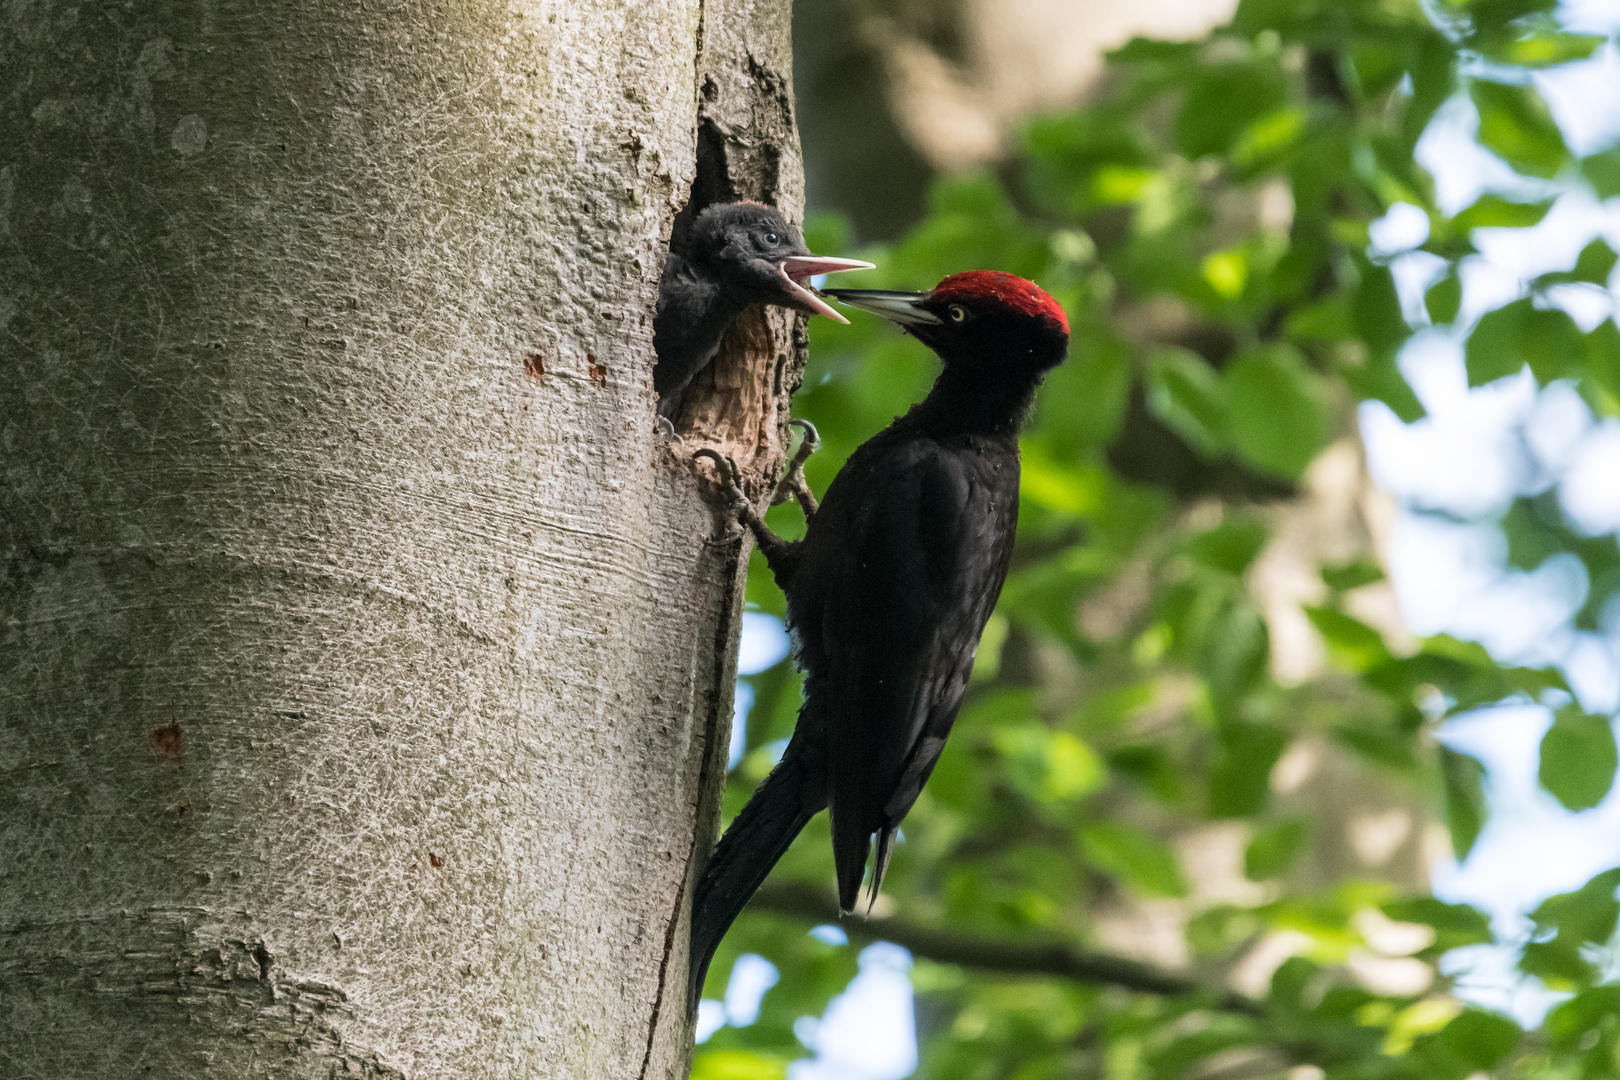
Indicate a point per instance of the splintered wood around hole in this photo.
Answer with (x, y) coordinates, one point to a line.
(731, 404)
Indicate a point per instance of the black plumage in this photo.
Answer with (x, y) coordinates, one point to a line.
(739, 254)
(890, 589)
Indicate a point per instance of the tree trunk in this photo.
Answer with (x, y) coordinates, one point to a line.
(365, 673)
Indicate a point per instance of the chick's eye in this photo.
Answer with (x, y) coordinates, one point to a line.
(957, 312)
(771, 238)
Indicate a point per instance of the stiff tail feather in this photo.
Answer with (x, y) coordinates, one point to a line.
(794, 792)
(880, 865)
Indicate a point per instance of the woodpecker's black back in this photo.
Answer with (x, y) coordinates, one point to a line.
(890, 589)
(739, 254)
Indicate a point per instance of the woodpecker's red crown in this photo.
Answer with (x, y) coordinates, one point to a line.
(1003, 289)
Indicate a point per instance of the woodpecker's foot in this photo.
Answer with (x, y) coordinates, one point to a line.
(667, 429)
(730, 476)
(738, 507)
(770, 544)
(793, 484)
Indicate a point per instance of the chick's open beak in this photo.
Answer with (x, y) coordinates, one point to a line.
(905, 308)
(795, 268)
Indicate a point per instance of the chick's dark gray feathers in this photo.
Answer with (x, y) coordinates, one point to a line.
(738, 254)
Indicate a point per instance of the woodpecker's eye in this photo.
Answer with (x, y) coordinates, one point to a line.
(772, 239)
(957, 312)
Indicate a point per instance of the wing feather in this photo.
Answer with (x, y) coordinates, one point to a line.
(924, 560)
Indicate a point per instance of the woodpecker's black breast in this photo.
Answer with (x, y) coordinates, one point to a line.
(897, 575)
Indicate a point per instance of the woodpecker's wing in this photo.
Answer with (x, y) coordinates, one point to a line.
(925, 536)
(690, 319)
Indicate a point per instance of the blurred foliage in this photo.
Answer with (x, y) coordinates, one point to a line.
(1205, 224)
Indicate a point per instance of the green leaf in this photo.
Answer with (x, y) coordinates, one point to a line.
(1517, 334)
(1557, 963)
(1602, 382)
(738, 1065)
(1220, 103)
(1595, 263)
(1291, 980)
(1058, 485)
(1587, 915)
(1325, 320)
(1275, 848)
(1011, 706)
(1592, 267)
(1463, 778)
(1482, 1039)
(1577, 921)
(1443, 299)
(1495, 212)
(1377, 309)
(1379, 378)
(1569, 1022)
(1276, 413)
(1188, 396)
(1235, 647)
(1218, 930)
(1352, 643)
(1544, 49)
(1229, 547)
(1144, 863)
(777, 696)
(1602, 171)
(1269, 136)
(1153, 769)
(1578, 758)
(1049, 766)
(1241, 777)
(1351, 575)
(1454, 925)
(1516, 124)
(1531, 538)
(1082, 402)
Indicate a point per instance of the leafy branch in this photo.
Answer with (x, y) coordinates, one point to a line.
(1006, 955)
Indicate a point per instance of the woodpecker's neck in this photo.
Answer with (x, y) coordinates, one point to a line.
(968, 399)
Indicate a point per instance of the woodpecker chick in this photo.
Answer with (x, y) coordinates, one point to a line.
(740, 253)
(890, 588)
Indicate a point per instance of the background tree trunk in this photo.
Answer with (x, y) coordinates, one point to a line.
(363, 666)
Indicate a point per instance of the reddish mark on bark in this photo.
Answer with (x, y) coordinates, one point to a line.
(435, 860)
(598, 373)
(534, 364)
(166, 741)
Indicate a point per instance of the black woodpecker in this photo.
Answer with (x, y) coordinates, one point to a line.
(739, 254)
(890, 588)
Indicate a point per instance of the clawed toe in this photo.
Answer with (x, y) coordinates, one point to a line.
(793, 484)
(730, 476)
(667, 429)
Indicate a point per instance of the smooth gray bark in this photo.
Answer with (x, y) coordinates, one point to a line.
(364, 672)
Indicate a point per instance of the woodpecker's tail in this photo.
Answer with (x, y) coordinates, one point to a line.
(794, 792)
(850, 851)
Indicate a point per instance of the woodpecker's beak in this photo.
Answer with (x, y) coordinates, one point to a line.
(905, 308)
(795, 268)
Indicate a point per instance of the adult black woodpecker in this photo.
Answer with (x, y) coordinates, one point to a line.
(890, 588)
(740, 253)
